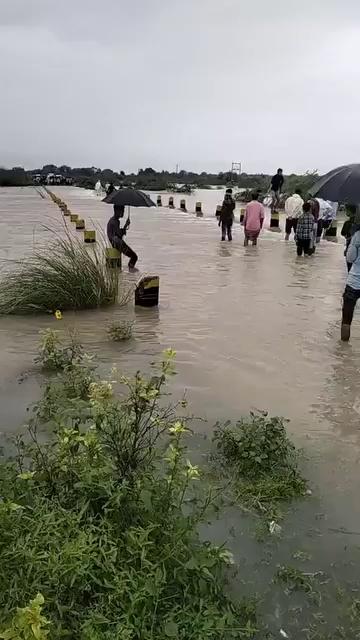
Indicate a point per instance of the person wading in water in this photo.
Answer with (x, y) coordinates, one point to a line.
(116, 234)
(227, 215)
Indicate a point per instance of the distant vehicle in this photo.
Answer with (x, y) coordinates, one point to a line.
(50, 178)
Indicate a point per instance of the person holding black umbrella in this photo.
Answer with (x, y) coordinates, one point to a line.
(121, 199)
(116, 235)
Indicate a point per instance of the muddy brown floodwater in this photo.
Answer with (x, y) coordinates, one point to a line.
(252, 327)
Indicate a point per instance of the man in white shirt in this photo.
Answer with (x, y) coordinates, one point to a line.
(293, 209)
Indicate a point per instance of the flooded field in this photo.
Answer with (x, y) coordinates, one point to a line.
(252, 328)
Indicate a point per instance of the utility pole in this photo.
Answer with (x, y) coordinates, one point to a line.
(235, 170)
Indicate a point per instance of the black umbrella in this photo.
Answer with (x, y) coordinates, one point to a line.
(129, 198)
(339, 185)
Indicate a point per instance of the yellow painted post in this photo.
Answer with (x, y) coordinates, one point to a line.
(73, 217)
(80, 224)
(275, 221)
(113, 258)
(198, 209)
(242, 215)
(171, 202)
(147, 292)
(66, 212)
(183, 205)
(89, 236)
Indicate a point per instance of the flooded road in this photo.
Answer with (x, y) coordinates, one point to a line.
(252, 327)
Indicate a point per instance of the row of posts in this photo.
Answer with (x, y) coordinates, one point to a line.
(198, 205)
(89, 234)
(274, 218)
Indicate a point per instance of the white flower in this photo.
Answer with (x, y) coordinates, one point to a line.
(176, 428)
(226, 556)
(192, 471)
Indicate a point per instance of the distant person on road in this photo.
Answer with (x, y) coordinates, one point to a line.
(227, 215)
(116, 235)
(293, 209)
(305, 231)
(277, 182)
(110, 189)
(352, 288)
(253, 220)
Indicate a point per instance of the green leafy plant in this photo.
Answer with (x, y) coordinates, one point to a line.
(64, 276)
(54, 354)
(119, 331)
(104, 519)
(28, 623)
(257, 453)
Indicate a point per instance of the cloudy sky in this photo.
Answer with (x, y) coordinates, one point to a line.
(199, 83)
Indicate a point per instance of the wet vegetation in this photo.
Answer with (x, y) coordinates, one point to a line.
(119, 331)
(64, 276)
(100, 520)
(261, 462)
(99, 526)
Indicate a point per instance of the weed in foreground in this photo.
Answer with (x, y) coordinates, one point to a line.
(102, 521)
(258, 456)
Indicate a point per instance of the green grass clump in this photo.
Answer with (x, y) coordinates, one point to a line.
(64, 276)
(119, 331)
(258, 455)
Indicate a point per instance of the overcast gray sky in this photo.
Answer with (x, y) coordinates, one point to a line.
(201, 83)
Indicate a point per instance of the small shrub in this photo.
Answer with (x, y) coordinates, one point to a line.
(64, 276)
(119, 331)
(54, 355)
(104, 520)
(261, 458)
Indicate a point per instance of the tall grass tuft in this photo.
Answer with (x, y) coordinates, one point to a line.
(66, 276)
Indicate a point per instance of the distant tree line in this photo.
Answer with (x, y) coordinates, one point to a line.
(15, 177)
(150, 179)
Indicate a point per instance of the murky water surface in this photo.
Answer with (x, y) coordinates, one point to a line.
(252, 327)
